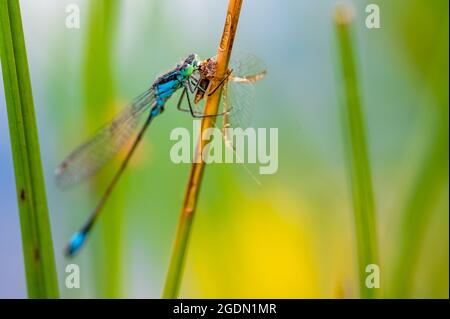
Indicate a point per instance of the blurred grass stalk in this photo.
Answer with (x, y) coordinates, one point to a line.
(356, 152)
(34, 221)
(426, 191)
(99, 95)
(432, 179)
(176, 264)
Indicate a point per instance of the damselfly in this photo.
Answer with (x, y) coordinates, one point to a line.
(192, 76)
(237, 101)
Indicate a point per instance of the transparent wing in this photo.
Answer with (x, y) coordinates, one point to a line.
(238, 100)
(246, 69)
(238, 103)
(87, 159)
(238, 96)
(246, 66)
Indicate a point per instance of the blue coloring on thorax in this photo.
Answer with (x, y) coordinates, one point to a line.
(166, 85)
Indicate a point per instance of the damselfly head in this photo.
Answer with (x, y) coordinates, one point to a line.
(190, 64)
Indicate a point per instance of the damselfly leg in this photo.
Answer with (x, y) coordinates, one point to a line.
(221, 82)
(190, 87)
(194, 113)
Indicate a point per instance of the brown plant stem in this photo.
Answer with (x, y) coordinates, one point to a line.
(176, 265)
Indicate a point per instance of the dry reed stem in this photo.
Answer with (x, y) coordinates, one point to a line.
(173, 279)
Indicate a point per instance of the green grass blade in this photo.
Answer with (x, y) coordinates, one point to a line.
(431, 180)
(356, 153)
(100, 101)
(429, 186)
(35, 225)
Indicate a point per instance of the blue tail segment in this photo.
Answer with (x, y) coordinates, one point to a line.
(76, 243)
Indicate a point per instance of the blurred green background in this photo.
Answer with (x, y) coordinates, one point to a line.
(293, 235)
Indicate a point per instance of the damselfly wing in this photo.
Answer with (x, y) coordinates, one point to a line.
(238, 93)
(90, 157)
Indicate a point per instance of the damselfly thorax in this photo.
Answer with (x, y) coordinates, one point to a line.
(167, 84)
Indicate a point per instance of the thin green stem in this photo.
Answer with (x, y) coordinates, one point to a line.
(356, 153)
(430, 182)
(34, 221)
(99, 102)
(176, 265)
